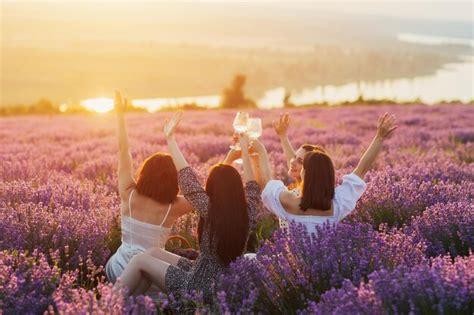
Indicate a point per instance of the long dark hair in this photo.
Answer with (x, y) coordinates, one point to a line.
(158, 178)
(228, 219)
(318, 182)
(313, 147)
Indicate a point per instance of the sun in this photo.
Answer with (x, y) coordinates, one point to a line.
(99, 105)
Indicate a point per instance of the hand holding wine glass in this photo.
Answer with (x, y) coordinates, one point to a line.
(233, 154)
(257, 146)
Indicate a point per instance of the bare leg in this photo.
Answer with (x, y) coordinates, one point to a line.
(164, 255)
(144, 284)
(154, 269)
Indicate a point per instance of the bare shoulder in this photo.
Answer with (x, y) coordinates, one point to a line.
(286, 199)
(290, 203)
(125, 192)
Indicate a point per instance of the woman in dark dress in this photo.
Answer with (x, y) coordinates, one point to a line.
(227, 212)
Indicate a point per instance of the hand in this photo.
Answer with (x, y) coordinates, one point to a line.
(235, 140)
(120, 105)
(257, 145)
(281, 126)
(386, 126)
(170, 125)
(233, 155)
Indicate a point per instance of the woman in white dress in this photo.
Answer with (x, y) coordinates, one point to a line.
(149, 205)
(294, 159)
(320, 200)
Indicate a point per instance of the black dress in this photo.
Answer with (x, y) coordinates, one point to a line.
(199, 275)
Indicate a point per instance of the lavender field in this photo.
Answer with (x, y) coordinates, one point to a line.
(406, 249)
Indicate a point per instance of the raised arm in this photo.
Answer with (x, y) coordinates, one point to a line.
(386, 126)
(252, 189)
(264, 162)
(125, 168)
(169, 130)
(233, 153)
(281, 129)
(256, 170)
(248, 170)
(187, 179)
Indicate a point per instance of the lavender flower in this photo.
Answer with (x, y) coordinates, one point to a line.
(443, 287)
(446, 228)
(27, 282)
(296, 267)
(63, 209)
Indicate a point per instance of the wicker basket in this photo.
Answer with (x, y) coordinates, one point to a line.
(184, 249)
(183, 243)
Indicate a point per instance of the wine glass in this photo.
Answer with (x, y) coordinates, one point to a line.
(240, 126)
(240, 122)
(254, 128)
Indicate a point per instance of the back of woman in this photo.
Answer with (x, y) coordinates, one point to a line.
(146, 223)
(149, 205)
(320, 201)
(280, 201)
(227, 212)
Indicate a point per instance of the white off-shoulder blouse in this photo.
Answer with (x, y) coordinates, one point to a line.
(345, 198)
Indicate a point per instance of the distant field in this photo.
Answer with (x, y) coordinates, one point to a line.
(83, 70)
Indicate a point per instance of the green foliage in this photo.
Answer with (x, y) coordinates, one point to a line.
(46, 107)
(265, 227)
(287, 100)
(234, 96)
(42, 107)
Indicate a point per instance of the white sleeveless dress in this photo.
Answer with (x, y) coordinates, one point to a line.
(137, 237)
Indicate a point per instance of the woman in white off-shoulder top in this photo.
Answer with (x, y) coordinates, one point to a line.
(320, 201)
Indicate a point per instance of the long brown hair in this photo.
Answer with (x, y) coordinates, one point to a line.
(318, 182)
(228, 219)
(158, 178)
(313, 147)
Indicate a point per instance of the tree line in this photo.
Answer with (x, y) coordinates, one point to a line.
(233, 96)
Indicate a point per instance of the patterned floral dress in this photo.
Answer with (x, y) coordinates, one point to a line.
(200, 274)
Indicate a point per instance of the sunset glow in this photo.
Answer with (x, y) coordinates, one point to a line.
(109, 105)
(99, 105)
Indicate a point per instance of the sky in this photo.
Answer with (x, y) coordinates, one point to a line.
(68, 40)
(421, 9)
